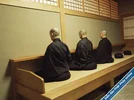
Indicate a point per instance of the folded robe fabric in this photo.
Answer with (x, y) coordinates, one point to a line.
(118, 55)
(127, 52)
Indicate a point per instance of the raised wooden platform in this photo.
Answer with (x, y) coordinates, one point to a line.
(32, 87)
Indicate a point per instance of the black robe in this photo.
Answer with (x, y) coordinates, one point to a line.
(104, 52)
(56, 59)
(83, 59)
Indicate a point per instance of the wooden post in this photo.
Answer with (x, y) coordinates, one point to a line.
(62, 20)
(112, 83)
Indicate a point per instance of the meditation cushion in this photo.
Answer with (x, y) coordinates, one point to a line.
(118, 55)
(127, 52)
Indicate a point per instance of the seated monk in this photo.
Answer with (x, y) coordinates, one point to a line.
(83, 59)
(56, 59)
(104, 50)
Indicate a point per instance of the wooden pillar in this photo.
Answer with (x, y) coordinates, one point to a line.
(62, 20)
(112, 83)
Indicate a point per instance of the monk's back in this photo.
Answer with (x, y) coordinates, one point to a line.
(56, 59)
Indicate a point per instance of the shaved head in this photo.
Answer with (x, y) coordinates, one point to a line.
(103, 34)
(54, 33)
(82, 33)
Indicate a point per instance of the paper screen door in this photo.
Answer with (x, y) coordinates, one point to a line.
(128, 25)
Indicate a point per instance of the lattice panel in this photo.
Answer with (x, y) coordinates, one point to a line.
(49, 2)
(91, 6)
(128, 25)
(114, 10)
(73, 5)
(104, 6)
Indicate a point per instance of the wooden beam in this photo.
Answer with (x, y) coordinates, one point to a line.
(127, 14)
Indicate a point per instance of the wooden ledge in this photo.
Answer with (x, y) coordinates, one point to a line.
(21, 59)
(76, 85)
(80, 83)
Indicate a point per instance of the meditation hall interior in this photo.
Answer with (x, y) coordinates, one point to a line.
(65, 49)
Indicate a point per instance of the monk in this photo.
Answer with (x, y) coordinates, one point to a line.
(104, 50)
(83, 59)
(56, 60)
